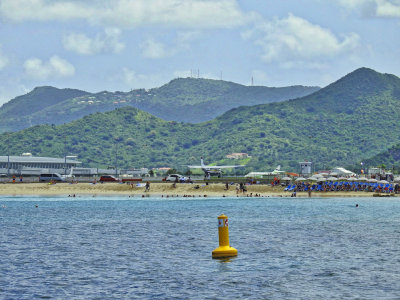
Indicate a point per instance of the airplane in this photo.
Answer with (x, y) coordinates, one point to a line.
(277, 171)
(213, 170)
(70, 175)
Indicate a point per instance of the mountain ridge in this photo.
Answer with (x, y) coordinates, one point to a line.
(191, 100)
(324, 127)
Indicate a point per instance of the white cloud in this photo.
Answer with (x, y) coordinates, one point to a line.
(374, 8)
(354, 3)
(43, 10)
(55, 67)
(130, 13)
(153, 49)
(387, 8)
(294, 41)
(107, 42)
(133, 80)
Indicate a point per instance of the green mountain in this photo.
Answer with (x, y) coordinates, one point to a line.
(183, 100)
(18, 113)
(390, 158)
(351, 119)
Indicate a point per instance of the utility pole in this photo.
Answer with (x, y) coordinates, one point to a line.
(8, 154)
(116, 157)
(65, 155)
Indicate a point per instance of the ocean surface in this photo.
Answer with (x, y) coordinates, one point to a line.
(155, 248)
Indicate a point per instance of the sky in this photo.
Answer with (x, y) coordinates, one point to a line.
(119, 45)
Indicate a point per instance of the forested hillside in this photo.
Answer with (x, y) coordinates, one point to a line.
(184, 100)
(340, 125)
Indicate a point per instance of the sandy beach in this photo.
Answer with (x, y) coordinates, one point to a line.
(157, 190)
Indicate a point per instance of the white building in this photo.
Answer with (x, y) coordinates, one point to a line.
(305, 168)
(34, 165)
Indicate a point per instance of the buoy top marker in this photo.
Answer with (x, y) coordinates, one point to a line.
(224, 249)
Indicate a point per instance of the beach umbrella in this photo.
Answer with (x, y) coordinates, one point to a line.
(383, 181)
(313, 178)
(363, 179)
(331, 179)
(396, 179)
(321, 179)
(352, 179)
(334, 174)
(286, 178)
(342, 178)
(318, 175)
(372, 180)
(300, 179)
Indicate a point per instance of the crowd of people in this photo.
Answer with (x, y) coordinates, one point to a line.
(344, 186)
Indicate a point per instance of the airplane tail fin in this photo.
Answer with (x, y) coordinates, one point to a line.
(278, 168)
(202, 162)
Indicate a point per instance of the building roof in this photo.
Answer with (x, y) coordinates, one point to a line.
(37, 159)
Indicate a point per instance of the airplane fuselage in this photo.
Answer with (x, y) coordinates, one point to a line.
(211, 172)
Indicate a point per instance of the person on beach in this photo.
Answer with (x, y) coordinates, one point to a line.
(147, 187)
(226, 186)
(237, 188)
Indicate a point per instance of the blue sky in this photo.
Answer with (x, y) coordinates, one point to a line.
(97, 45)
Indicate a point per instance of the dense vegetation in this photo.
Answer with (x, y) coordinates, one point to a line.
(340, 125)
(389, 158)
(184, 100)
(20, 112)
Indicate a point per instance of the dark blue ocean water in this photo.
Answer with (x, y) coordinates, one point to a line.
(122, 248)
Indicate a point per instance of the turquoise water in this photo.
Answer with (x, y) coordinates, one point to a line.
(122, 248)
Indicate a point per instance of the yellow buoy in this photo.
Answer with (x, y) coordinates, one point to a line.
(224, 249)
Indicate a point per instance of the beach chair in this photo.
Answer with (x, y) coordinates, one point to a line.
(386, 188)
(288, 188)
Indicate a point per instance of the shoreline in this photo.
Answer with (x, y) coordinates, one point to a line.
(164, 190)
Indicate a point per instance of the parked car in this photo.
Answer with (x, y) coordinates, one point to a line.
(51, 177)
(108, 178)
(174, 177)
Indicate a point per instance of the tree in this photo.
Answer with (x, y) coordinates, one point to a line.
(171, 171)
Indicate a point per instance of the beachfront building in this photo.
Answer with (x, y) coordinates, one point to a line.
(305, 168)
(27, 164)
